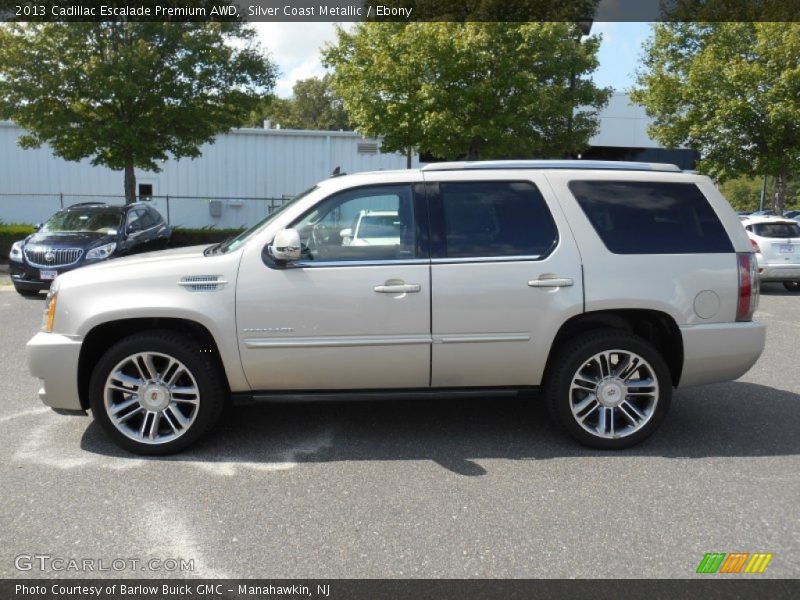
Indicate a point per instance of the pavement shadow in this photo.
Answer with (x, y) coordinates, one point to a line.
(726, 420)
(776, 289)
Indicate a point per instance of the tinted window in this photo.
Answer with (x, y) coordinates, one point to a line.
(495, 218)
(638, 217)
(157, 218)
(146, 219)
(371, 223)
(776, 230)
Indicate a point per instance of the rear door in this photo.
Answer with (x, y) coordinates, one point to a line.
(505, 274)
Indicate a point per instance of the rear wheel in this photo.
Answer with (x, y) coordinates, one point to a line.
(156, 393)
(792, 286)
(609, 389)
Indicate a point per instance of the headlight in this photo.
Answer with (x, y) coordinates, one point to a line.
(50, 307)
(16, 252)
(101, 251)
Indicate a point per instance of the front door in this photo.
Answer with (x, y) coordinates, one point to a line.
(354, 312)
(505, 274)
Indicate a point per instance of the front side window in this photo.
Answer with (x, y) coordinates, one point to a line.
(146, 219)
(371, 223)
(496, 219)
(644, 217)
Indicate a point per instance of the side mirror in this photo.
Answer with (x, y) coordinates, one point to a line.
(38, 226)
(346, 233)
(286, 246)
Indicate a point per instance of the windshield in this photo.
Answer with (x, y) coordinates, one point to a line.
(106, 221)
(233, 243)
(777, 230)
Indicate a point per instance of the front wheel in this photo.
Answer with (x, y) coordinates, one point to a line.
(609, 389)
(792, 286)
(156, 393)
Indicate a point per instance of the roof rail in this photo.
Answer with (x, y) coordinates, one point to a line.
(606, 165)
(88, 204)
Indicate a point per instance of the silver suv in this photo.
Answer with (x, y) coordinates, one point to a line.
(604, 285)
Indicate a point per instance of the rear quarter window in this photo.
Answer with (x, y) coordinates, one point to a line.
(642, 217)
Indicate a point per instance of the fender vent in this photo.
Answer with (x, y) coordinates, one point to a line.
(202, 283)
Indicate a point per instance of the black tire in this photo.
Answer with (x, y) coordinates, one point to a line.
(574, 355)
(792, 286)
(208, 375)
(27, 292)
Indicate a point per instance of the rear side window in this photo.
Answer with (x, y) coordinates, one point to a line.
(641, 217)
(776, 230)
(496, 219)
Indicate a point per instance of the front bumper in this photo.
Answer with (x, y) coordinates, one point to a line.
(720, 351)
(53, 359)
(27, 277)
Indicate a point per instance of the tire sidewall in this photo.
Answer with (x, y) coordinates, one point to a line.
(578, 353)
(792, 286)
(184, 349)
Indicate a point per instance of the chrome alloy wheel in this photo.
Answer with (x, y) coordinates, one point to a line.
(151, 398)
(614, 394)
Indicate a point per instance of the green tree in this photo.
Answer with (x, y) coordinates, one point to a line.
(313, 105)
(479, 90)
(129, 94)
(730, 91)
(744, 193)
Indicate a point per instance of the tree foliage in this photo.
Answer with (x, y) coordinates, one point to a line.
(129, 94)
(730, 91)
(313, 105)
(480, 90)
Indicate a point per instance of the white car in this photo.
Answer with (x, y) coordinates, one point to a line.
(373, 228)
(776, 242)
(602, 284)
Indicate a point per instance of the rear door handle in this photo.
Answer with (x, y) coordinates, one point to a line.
(398, 288)
(554, 282)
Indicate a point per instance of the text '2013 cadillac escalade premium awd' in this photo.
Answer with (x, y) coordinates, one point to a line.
(604, 285)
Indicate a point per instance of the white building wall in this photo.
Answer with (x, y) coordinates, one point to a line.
(241, 166)
(623, 124)
(244, 167)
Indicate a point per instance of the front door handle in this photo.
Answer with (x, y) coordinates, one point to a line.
(398, 288)
(554, 282)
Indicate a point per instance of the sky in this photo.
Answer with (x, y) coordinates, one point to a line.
(295, 48)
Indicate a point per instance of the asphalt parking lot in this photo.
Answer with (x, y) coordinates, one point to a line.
(478, 488)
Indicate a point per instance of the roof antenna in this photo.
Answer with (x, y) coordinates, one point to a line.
(337, 172)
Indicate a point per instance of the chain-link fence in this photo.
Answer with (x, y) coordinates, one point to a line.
(179, 211)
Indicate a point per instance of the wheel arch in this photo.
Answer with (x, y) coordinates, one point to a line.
(101, 337)
(654, 326)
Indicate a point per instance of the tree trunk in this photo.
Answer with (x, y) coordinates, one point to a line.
(474, 152)
(409, 154)
(779, 193)
(130, 182)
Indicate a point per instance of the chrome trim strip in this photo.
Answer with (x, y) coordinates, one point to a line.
(356, 263)
(479, 338)
(484, 259)
(338, 342)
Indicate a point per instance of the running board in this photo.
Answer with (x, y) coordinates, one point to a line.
(240, 398)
